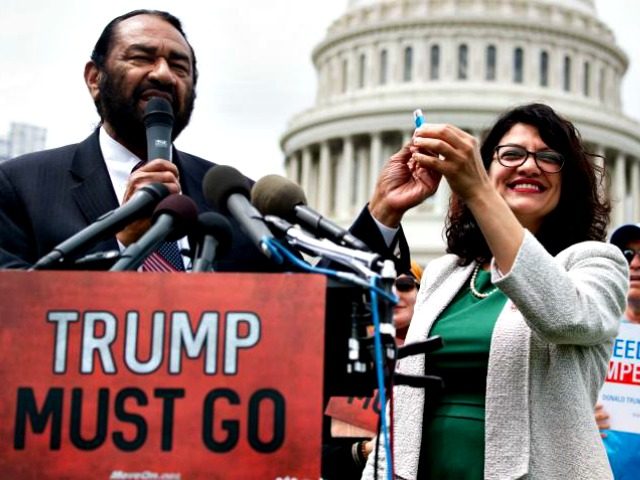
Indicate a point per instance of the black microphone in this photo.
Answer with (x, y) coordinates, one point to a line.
(227, 190)
(214, 232)
(140, 205)
(172, 219)
(158, 120)
(276, 195)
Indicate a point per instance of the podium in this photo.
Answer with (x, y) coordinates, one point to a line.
(212, 376)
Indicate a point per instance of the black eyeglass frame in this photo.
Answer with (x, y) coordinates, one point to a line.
(526, 157)
(627, 251)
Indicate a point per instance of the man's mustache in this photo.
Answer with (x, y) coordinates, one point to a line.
(142, 90)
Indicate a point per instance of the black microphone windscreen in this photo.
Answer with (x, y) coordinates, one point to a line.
(220, 182)
(156, 190)
(158, 110)
(277, 195)
(182, 209)
(216, 225)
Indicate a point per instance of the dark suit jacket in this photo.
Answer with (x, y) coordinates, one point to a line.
(45, 197)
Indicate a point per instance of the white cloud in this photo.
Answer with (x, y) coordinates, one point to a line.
(254, 59)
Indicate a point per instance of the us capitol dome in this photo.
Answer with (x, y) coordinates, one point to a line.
(462, 62)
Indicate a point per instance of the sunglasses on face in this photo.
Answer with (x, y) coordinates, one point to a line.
(406, 284)
(628, 253)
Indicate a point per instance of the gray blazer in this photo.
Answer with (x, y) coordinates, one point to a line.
(548, 359)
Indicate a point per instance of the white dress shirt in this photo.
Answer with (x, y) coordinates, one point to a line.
(120, 162)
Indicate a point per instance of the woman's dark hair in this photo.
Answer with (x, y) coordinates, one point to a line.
(105, 42)
(582, 212)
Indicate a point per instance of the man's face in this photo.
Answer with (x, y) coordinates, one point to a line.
(148, 58)
(634, 272)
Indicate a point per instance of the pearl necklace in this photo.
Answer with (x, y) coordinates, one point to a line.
(472, 285)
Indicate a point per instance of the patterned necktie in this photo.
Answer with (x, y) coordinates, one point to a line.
(165, 258)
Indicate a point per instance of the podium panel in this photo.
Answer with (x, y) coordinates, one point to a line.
(168, 376)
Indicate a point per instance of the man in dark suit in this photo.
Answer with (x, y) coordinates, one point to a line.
(48, 196)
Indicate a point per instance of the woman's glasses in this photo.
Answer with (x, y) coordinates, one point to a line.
(406, 284)
(512, 156)
(628, 253)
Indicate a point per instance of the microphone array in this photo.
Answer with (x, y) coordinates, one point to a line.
(272, 206)
(274, 210)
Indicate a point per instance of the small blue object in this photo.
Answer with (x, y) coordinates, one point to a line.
(418, 117)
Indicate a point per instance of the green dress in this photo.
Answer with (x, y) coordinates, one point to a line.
(453, 430)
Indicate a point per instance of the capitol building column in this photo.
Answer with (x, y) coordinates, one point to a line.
(344, 182)
(618, 191)
(325, 191)
(375, 157)
(600, 156)
(361, 176)
(293, 166)
(635, 189)
(305, 178)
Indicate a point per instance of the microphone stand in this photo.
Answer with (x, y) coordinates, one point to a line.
(380, 348)
(361, 262)
(360, 363)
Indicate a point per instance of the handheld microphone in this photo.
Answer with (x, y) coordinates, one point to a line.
(158, 120)
(140, 205)
(227, 190)
(172, 219)
(214, 232)
(276, 195)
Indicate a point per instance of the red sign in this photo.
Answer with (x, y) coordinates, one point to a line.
(167, 376)
(361, 412)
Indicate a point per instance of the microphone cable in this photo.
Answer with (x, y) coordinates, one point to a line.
(374, 291)
(285, 253)
(384, 428)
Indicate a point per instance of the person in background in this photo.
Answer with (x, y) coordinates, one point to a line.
(623, 448)
(406, 288)
(527, 301)
(627, 239)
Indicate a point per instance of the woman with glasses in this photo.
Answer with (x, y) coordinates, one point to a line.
(527, 302)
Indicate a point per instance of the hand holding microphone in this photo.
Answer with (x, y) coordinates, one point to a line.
(173, 218)
(158, 120)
